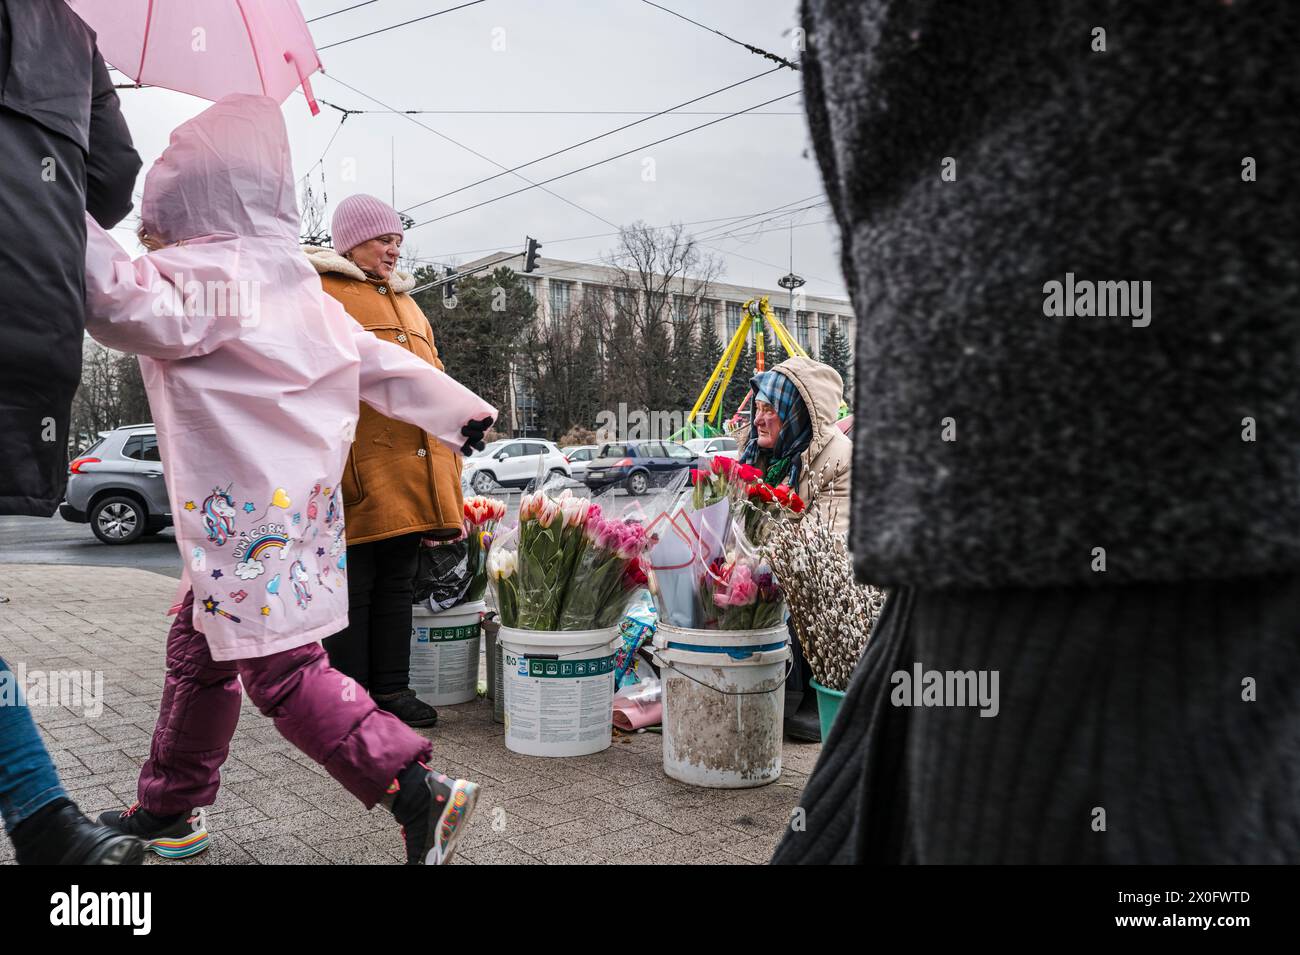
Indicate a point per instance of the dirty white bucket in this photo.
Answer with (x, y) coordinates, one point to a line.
(724, 704)
(444, 654)
(559, 690)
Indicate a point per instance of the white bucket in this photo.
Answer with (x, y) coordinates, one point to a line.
(724, 704)
(559, 690)
(444, 654)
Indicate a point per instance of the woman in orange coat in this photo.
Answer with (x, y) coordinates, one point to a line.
(400, 484)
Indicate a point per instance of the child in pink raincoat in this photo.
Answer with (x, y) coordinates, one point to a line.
(254, 376)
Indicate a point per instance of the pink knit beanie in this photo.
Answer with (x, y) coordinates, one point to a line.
(360, 218)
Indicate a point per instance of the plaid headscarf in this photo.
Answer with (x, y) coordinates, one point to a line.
(781, 462)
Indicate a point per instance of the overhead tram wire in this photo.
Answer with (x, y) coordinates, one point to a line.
(601, 162)
(441, 259)
(551, 192)
(730, 220)
(571, 112)
(326, 16)
(748, 46)
(404, 23)
(324, 152)
(593, 139)
(469, 149)
(741, 225)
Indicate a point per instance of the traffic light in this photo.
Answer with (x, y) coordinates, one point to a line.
(530, 253)
(449, 284)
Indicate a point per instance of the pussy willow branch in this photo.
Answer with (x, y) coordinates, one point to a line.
(833, 615)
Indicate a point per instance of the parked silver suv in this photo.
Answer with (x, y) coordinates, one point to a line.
(116, 485)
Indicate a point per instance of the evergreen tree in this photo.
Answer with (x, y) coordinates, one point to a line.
(739, 386)
(708, 351)
(481, 331)
(835, 352)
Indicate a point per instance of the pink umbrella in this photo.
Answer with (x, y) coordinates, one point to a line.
(209, 48)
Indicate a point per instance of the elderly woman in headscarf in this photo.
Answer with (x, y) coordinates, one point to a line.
(792, 437)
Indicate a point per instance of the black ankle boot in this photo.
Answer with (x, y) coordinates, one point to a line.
(59, 834)
(407, 707)
(804, 725)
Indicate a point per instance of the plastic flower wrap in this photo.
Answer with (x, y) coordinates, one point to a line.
(542, 561)
(707, 571)
(575, 567)
(482, 515)
(608, 570)
(502, 574)
(726, 479)
(740, 592)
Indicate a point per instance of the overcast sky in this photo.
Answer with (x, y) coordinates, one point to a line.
(559, 55)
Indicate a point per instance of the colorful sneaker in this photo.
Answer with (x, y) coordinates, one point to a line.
(172, 837)
(433, 810)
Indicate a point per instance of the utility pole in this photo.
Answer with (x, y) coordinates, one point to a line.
(791, 281)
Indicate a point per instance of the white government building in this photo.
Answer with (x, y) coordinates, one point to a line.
(559, 285)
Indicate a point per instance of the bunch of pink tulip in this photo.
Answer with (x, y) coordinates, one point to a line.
(575, 566)
(742, 594)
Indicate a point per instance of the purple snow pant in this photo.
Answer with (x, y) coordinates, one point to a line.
(315, 707)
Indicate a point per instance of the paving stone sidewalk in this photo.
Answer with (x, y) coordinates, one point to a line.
(276, 806)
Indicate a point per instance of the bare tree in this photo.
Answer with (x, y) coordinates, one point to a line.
(659, 299)
(110, 395)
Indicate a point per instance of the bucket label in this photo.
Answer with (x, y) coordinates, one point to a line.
(566, 669)
(558, 707)
(444, 670)
(509, 660)
(441, 634)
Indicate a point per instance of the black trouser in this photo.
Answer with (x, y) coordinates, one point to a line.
(1151, 723)
(375, 649)
(798, 686)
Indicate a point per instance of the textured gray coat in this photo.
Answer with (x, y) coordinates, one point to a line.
(1074, 438)
(64, 150)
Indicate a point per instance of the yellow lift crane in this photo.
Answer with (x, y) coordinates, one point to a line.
(757, 315)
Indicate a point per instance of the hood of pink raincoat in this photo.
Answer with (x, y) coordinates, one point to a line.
(226, 172)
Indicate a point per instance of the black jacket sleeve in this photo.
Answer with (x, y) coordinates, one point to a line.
(111, 160)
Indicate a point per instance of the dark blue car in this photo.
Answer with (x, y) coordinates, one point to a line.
(638, 465)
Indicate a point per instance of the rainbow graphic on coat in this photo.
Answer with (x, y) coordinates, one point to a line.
(253, 547)
(264, 543)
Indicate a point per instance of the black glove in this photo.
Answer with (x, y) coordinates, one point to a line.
(474, 432)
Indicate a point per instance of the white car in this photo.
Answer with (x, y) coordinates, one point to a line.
(709, 448)
(513, 462)
(578, 457)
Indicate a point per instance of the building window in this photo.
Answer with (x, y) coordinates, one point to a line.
(681, 309)
(804, 333)
(709, 313)
(625, 302)
(559, 297)
(733, 319)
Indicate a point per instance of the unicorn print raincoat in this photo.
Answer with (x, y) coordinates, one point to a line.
(254, 376)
